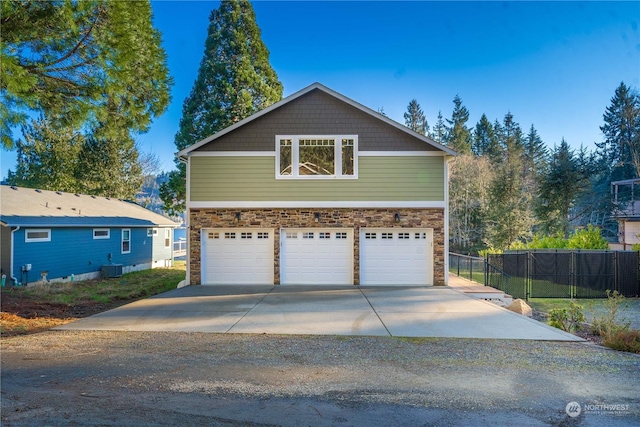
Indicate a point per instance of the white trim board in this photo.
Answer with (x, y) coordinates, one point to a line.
(360, 154)
(318, 204)
(401, 154)
(233, 154)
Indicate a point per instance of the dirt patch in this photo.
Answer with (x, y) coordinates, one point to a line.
(584, 331)
(21, 315)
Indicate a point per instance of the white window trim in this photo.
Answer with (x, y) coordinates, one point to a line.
(337, 159)
(108, 236)
(37, 239)
(122, 241)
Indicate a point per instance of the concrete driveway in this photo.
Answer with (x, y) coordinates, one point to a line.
(322, 310)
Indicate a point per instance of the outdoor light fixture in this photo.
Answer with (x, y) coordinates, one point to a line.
(316, 216)
(396, 217)
(237, 216)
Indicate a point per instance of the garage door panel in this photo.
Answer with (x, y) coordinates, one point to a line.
(237, 256)
(316, 256)
(396, 256)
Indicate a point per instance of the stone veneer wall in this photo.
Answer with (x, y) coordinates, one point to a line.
(304, 218)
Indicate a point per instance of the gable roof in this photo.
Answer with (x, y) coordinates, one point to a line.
(27, 207)
(315, 86)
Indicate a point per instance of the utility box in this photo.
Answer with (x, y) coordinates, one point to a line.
(111, 270)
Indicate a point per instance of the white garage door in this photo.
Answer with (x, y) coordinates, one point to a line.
(396, 256)
(316, 256)
(237, 256)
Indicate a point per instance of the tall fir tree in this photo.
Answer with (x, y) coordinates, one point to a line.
(235, 80)
(621, 130)
(560, 186)
(68, 59)
(414, 118)
(484, 138)
(439, 131)
(459, 135)
(47, 157)
(509, 214)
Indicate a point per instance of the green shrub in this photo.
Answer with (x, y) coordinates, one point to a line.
(586, 238)
(567, 319)
(607, 324)
(624, 341)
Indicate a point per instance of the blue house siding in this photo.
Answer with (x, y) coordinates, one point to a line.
(75, 251)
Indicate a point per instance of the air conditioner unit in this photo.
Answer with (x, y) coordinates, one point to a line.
(111, 270)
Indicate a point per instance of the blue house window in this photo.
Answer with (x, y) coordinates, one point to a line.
(101, 233)
(167, 237)
(126, 241)
(37, 235)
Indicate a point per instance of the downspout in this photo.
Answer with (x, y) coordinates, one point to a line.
(447, 160)
(13, 278)
(185, 160)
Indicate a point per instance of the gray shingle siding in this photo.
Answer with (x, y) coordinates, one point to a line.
(317, 113)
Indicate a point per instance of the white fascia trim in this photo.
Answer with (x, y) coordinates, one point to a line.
(402, 154)
(319, 204)
(232, 154)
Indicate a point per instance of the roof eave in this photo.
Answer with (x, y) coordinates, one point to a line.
(183, 154)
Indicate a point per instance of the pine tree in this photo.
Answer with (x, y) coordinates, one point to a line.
(414, 118)
(484, 138)
(47, 157)
(234, 81)
(439, 131)
(536, 152)
(68, 59)
(509, 213)
(622, 134)
(559, 188)
(458, 135)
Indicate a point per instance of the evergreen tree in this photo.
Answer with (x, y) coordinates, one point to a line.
(439, 131)
(234, 81)
(414, 118)
(509, 213)
(621, 130)
(535, 153)
(484, 139)
(559, 188)
(47, 157)
(68, 59)
(459, 136)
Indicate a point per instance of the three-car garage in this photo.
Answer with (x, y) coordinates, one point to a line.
(317, 256)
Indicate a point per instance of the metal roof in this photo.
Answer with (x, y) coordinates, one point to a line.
(27, 207)
(315, 86)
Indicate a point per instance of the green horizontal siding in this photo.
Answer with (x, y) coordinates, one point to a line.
(410, 178)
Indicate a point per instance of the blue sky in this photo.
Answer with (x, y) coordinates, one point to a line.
(552, 64)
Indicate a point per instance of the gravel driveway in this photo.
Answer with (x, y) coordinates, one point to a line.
(86, 378)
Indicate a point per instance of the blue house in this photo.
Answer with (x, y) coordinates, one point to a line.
(57, 236)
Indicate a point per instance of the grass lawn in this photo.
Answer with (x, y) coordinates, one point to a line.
(40, 307)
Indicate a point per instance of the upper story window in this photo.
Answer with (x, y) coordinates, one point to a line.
(317, 156)
(37, 235)
(101, 233)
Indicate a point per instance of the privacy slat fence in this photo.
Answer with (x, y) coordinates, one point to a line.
(565, 274)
